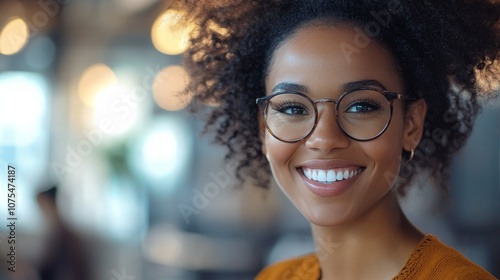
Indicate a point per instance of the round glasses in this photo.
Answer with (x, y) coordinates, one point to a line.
(362, 114)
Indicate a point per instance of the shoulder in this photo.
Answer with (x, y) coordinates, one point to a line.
(305, 267)
(432, 259)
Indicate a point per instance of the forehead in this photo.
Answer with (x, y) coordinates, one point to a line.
(324, 57)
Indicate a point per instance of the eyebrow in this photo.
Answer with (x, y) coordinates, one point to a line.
(292, 87)
(362, 83)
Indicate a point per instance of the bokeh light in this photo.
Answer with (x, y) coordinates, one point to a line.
(168, 35)
(14, 36)
(168, 86)
(95, 78)
(40, 53)
(23, 104)
(161, 154)
(116, 108)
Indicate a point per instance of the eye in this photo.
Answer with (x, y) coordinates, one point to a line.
(363, 106)
(291, 108)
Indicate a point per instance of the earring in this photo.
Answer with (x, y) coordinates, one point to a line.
(408, 155)
(412, 153)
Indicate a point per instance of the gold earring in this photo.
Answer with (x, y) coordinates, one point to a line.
(412, 153)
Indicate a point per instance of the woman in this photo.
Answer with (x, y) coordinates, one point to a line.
(346, 93)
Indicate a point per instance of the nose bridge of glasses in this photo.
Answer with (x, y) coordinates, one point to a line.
(325, 100)
(330, 113)
(326, 133)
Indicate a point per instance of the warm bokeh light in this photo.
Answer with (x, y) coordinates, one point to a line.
(95, 78)
(14, 36)
(168, 35)
(167, 88)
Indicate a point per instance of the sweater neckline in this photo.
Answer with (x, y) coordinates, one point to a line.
(410, 263)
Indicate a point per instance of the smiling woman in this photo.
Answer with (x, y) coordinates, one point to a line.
(345, 92)
(329, 148)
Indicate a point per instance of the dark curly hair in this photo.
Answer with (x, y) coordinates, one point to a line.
(447, 51)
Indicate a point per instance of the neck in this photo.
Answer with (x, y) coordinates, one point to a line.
(375, 246)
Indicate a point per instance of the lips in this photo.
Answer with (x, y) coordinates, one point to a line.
(330, 175)
(329, 178)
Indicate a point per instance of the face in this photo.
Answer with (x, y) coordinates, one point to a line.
(314, 62)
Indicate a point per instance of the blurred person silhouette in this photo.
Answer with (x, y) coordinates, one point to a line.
(23, 270)
(64, 257)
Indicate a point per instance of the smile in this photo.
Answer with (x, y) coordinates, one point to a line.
(330, 175)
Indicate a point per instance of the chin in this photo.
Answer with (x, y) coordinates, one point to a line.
(327, 216)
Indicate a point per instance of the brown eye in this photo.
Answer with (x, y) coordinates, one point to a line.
(291, 108)
(363, 106)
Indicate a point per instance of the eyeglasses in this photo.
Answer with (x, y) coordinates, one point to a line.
(362, 114)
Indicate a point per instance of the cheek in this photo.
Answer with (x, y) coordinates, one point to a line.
(385, 153)
(277, 152)
(279, 155)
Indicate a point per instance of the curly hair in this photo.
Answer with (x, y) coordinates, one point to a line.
(447, 51)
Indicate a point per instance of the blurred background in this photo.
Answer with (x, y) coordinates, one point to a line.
(115, 182)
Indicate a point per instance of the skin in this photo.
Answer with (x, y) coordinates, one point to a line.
(362, 225)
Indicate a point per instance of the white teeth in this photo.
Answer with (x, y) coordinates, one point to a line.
(339, 176)
(308, 173)
(321, 176)
(328, 176)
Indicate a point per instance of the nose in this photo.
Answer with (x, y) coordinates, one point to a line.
(327, 135)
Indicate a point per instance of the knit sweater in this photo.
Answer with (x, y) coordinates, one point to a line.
(431, 259)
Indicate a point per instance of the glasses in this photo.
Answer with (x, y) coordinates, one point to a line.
(362, 114)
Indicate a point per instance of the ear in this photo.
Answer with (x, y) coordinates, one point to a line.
(414, 124)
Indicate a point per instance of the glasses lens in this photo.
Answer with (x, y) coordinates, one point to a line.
(364, 114)
(290, 117)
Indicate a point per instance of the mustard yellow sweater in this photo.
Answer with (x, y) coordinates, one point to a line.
(431, 259)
